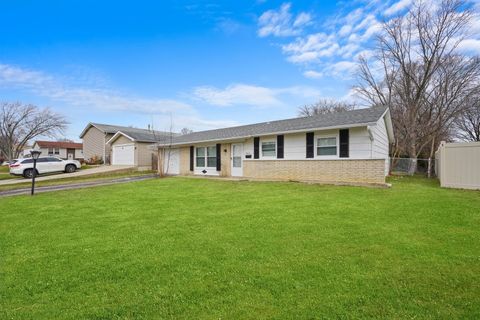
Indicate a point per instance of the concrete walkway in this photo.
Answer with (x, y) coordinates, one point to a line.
(89, 184)
(79, 173)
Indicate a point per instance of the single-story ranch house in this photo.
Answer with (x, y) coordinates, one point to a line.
(62, 149)
(345, 147)
(118, 145)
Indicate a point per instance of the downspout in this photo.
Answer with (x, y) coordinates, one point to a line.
(370, 134)
(104, 148)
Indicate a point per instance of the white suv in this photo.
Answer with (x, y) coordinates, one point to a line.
(24, 167)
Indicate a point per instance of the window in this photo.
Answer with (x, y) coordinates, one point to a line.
(206, 157)
(212, 157)
(57, 150)
(268, 149)
(200, 157)
(327, 146)
(51, 159)
(50, 151)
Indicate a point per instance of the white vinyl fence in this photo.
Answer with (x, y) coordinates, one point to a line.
(458, 165)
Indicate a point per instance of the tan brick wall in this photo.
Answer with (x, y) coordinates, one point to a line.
(225, 162)
(348, 171)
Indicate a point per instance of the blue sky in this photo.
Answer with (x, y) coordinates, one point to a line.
(199, 64)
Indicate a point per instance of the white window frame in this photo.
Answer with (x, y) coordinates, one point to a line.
(268, 141)
(51, 151)
(205, 157)
(56, 151)
(326, 136)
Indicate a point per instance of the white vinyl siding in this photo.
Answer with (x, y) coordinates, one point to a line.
(380, 144)
(360, 146)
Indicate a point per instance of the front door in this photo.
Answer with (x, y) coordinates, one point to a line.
(70, 154)
(237, 161)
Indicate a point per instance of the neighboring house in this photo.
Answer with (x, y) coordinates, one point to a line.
(26, 151)
(346, 147)
(62, 149)
(119, 145)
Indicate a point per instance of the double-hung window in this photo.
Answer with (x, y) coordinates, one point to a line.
(200, 157)
(327, 146)
(50, 151)
(206, 157)
(268, 149)
(57, 150)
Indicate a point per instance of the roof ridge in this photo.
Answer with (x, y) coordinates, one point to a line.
(288, 119)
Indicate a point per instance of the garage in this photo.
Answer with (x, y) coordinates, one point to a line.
(123, 154)
(171, 163)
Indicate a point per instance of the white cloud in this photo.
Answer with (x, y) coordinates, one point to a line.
(312, 74)
(94, 98)
(237, 94)
(397, 7)
(341, 40)
(256, 96)
(311, 48)
(281, 23)
(53, 88)
(344, 69)
(470, 46)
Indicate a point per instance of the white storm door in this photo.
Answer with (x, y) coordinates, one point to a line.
(237, 160)
(124, 154)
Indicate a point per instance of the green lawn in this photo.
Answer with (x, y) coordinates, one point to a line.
(6, 176)
(184, 248)
(4, 169)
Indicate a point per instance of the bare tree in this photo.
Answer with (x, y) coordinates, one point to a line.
(186, 131)
(20, 123)
(468, 124)
(324, 106)
(417, 72)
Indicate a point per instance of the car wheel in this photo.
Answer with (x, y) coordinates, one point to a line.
(70, 168)
(28, 173)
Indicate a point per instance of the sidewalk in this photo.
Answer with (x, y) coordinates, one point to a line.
(79, 173)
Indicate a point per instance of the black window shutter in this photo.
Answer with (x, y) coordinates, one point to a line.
(310, 145)
(219, 157)
(344, 145)
(192, 149)
(280, 140)
(256, 148)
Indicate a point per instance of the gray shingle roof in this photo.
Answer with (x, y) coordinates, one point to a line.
(346, 119)
(141, 135)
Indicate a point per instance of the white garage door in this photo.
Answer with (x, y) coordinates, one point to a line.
(123, 154)
(171, 164)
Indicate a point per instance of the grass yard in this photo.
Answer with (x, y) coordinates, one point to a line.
(5, 173)
(208, 249)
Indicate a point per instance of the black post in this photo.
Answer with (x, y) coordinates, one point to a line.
(34, 174)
